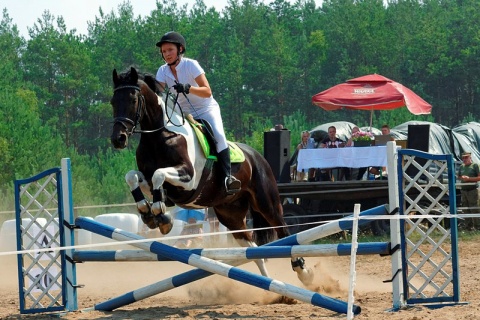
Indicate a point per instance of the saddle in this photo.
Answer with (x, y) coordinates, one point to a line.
(208, 145)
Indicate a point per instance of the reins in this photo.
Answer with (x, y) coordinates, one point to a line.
(141, 111)
(207, 128)
(175, 103)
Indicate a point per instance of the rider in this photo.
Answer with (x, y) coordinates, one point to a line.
(187, 77)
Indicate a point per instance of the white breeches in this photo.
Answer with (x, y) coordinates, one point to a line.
(215, 119)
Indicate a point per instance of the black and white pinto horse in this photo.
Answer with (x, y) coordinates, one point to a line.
(172, 169)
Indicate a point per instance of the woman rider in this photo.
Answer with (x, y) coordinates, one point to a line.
(187, 77)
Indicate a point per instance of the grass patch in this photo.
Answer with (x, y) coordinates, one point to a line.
(468, 235)
(346, 237)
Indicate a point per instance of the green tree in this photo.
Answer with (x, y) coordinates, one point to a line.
(59, 65)
(33, 145)
(12, 46)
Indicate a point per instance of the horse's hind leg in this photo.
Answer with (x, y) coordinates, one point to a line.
(272, 212)
(138, 185)
(259, 262)
(304, 273)
(233, 216)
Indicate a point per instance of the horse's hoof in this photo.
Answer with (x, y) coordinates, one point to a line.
(164, 223)
(165, 228)
(159, 208)
(149, 220)
(305, 276)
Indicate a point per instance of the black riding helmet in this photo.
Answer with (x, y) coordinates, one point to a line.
(173, 37)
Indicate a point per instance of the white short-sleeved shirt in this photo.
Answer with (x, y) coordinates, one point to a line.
(187, 71)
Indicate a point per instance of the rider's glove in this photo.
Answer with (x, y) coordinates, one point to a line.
(180, 87)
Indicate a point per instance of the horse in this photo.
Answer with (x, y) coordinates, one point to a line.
(172, 169)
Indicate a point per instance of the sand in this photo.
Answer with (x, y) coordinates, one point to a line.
(216, 297)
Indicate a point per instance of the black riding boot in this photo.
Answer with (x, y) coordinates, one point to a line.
(232, 184)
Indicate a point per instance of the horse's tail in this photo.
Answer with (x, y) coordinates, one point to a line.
(263, 233)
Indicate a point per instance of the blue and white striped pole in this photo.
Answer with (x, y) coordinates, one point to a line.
(319, 250)
(217, 267)
(303, 237)
(330, 228)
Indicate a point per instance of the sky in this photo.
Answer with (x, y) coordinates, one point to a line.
(24, 13)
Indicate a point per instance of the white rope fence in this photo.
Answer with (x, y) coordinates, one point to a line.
(210, 234)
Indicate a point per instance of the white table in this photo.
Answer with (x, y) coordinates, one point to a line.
(351, 157)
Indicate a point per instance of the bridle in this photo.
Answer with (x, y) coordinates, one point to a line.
(141, 111)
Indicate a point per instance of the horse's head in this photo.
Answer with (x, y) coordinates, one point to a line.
(131, 95)
(126, 106)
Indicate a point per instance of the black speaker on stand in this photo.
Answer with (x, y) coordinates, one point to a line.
(418, 139)
(276, 150)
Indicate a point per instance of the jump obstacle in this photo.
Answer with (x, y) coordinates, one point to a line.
(47, 275)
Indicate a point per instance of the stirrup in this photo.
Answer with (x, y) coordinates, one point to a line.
(232, 185)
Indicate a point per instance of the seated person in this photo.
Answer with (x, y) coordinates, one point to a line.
(349, 171)
(385, 130)
(331, 141)
(350, 142)
(305, 143)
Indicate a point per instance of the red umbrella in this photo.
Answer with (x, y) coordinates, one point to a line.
(371, 92)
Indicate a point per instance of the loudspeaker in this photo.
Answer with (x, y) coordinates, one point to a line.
(276, 150)
(418, 139)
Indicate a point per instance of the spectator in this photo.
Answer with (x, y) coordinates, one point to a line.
(469, 174)
(305, 143)
(331, 142)
(385, 129)
(358, 174)
(350, 142)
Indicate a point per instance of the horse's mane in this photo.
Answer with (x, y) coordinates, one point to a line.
(148, 78)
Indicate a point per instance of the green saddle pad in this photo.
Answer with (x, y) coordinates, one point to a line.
(236, 154)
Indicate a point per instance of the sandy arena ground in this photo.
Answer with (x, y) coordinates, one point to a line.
(217, 298)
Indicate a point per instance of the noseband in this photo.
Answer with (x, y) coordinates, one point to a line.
(141, 110)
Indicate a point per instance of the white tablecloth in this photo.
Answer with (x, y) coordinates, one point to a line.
(351, 157)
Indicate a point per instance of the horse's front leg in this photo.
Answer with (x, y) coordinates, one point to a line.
(176, 176)
(159, 209)
(138, 186)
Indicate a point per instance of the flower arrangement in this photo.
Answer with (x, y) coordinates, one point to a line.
(362, 136)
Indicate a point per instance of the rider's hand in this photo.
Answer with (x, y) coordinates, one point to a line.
(180, 87)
